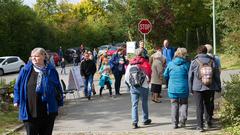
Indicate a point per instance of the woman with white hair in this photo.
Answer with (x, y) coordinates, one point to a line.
(177, 73)
(158, 62)
(38, 94)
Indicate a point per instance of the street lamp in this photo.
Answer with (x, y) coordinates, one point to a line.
(214, 29)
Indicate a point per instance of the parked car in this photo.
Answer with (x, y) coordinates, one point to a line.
(10, 64)
(112, 50)
(102, 49)
(70, 53)
(55, 55)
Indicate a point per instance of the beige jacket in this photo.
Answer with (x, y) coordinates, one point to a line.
(157, 61)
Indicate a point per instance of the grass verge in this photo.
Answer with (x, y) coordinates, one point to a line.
(8, 120)
(229, 62)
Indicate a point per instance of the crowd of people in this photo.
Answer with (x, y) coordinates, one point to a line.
(38, 83)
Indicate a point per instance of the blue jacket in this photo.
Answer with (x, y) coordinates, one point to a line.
(177, 73)
(50, 80)
(195, 84)
(116, 67)
(168, 53)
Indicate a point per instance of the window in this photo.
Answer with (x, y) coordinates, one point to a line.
(12, 60)
(1, 60)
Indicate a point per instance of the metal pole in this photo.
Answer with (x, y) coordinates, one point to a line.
(214, 29)
(144, 39)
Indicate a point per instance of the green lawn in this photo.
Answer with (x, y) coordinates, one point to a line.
(8, 120)
(229, 62)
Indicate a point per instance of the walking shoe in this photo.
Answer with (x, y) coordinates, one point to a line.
(135, 126)
(209, 125)
(200, 129)
(89, 97)
(182, 124)
(175, 126)
(147, 122)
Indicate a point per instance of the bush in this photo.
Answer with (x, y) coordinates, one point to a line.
(230, 108)
(6, 95)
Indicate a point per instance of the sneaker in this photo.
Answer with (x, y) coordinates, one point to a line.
(182, 124)
(135, 126)
(209, 125)
(147, 122)
(175, 126)
(200, 129)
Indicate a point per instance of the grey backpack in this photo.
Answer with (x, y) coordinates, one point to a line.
(136, 76)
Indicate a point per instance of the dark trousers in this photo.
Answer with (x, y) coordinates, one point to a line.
(108, 86)
(212, 104)
(117, 83)
(203, 102)
(40, 126)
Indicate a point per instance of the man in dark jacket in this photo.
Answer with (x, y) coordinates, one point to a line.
(202, 92)
(88, 69)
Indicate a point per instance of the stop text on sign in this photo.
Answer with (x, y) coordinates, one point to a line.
(144, 26)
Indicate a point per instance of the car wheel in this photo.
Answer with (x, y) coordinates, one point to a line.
(1, 72)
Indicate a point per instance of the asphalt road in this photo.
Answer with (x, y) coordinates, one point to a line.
(112, 115)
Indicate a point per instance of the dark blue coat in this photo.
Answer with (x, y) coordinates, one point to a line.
(50, 80)
(116, 67)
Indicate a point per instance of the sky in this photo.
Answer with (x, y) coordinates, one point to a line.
(32, 2)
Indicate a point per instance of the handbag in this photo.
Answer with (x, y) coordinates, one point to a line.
(59, 95)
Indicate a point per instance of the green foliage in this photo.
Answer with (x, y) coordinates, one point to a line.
(229, 110)
(229, 21)
(6, 97)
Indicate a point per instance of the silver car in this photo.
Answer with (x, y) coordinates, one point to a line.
(10, 64)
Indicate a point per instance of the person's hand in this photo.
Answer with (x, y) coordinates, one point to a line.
(15, 104)
(121, 62)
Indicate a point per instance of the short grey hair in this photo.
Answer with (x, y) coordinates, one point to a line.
(209, 48)
(41, 51)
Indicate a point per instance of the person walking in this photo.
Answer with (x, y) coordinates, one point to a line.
(138, 79)
(157, 61)
(60, 54)
(63, 65)
(177, 73)
(168, 52)
(105, 77)
(142, 47)
(38, 94)
(203, 79)
(218, 64)
(88, 69)
(117, 64)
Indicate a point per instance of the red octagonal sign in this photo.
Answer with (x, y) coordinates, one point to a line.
(144, 26)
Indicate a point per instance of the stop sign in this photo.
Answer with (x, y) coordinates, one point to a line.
(144, 26)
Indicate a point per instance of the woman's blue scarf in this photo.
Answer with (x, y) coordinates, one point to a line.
(40, 88)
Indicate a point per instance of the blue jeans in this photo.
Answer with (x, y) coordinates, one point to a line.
(88, 85)
(135, 94)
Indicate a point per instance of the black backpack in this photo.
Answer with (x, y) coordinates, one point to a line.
(136, 76)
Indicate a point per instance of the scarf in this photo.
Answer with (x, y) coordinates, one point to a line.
(42, 72)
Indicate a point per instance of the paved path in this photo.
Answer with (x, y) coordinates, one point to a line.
(112, 116)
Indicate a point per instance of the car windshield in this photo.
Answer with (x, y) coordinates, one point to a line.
(113, 48)
(1, 60)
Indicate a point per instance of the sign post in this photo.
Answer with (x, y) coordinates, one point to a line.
(144, 26)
